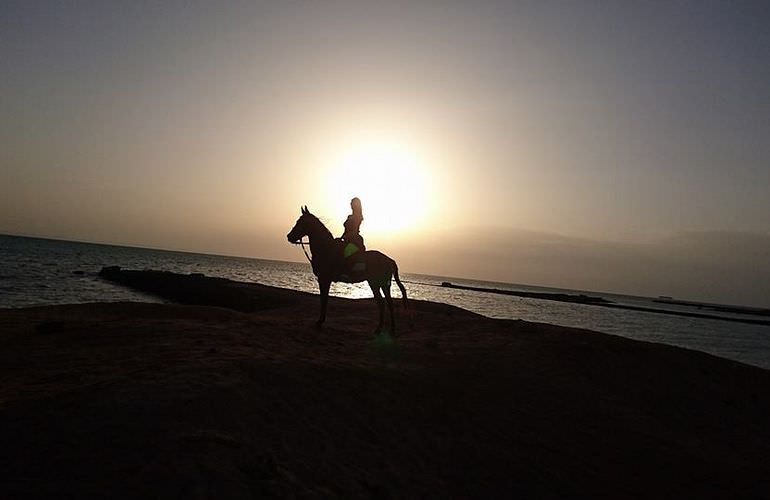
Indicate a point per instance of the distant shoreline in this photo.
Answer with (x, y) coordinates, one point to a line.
(599, 301)
(757, 311)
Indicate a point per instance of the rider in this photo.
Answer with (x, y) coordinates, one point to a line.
(351, 237)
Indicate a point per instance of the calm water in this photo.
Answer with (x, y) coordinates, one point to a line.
(35, 271)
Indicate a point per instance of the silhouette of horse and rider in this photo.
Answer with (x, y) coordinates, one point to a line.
(346, 259)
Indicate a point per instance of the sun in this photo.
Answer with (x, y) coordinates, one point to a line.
(389, 178)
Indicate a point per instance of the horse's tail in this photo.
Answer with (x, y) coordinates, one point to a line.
(400, 285)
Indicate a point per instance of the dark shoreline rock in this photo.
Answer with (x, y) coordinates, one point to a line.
(560, 297)
(198, 289)
(601, 302)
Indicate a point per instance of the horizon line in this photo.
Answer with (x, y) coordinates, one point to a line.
(550, 287)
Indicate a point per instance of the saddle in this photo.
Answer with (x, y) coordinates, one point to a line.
(351, 265)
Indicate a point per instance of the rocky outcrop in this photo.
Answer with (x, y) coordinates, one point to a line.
(198, 289)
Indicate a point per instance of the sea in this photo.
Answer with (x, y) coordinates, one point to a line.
(35, 271)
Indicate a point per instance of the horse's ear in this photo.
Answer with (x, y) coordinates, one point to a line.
(306, 210)
(302, 210)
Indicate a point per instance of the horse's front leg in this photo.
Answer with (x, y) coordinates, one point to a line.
(323, 286)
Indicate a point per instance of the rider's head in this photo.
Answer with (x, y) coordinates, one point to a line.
(355, 204)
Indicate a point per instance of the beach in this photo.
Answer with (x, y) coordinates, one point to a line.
(230, 392)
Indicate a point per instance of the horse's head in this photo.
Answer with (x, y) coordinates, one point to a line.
(302, 227)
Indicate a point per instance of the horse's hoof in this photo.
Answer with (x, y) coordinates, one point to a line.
(319, 325)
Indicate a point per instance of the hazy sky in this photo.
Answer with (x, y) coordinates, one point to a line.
(618, 146)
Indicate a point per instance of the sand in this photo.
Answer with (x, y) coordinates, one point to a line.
(134, 400)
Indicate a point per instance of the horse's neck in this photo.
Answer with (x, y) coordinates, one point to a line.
(321, 241)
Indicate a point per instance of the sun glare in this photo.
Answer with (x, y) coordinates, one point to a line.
(391, 181)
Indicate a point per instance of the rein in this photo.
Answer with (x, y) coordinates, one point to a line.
(302, 244)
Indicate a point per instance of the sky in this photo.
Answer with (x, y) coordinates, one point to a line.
(609, 146)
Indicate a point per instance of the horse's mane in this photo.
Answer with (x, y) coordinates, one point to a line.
(320, 225)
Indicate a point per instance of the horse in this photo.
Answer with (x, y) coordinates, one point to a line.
(326, 263)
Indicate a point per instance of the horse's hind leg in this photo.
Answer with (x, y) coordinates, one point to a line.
(380, 305)
(389, 300)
